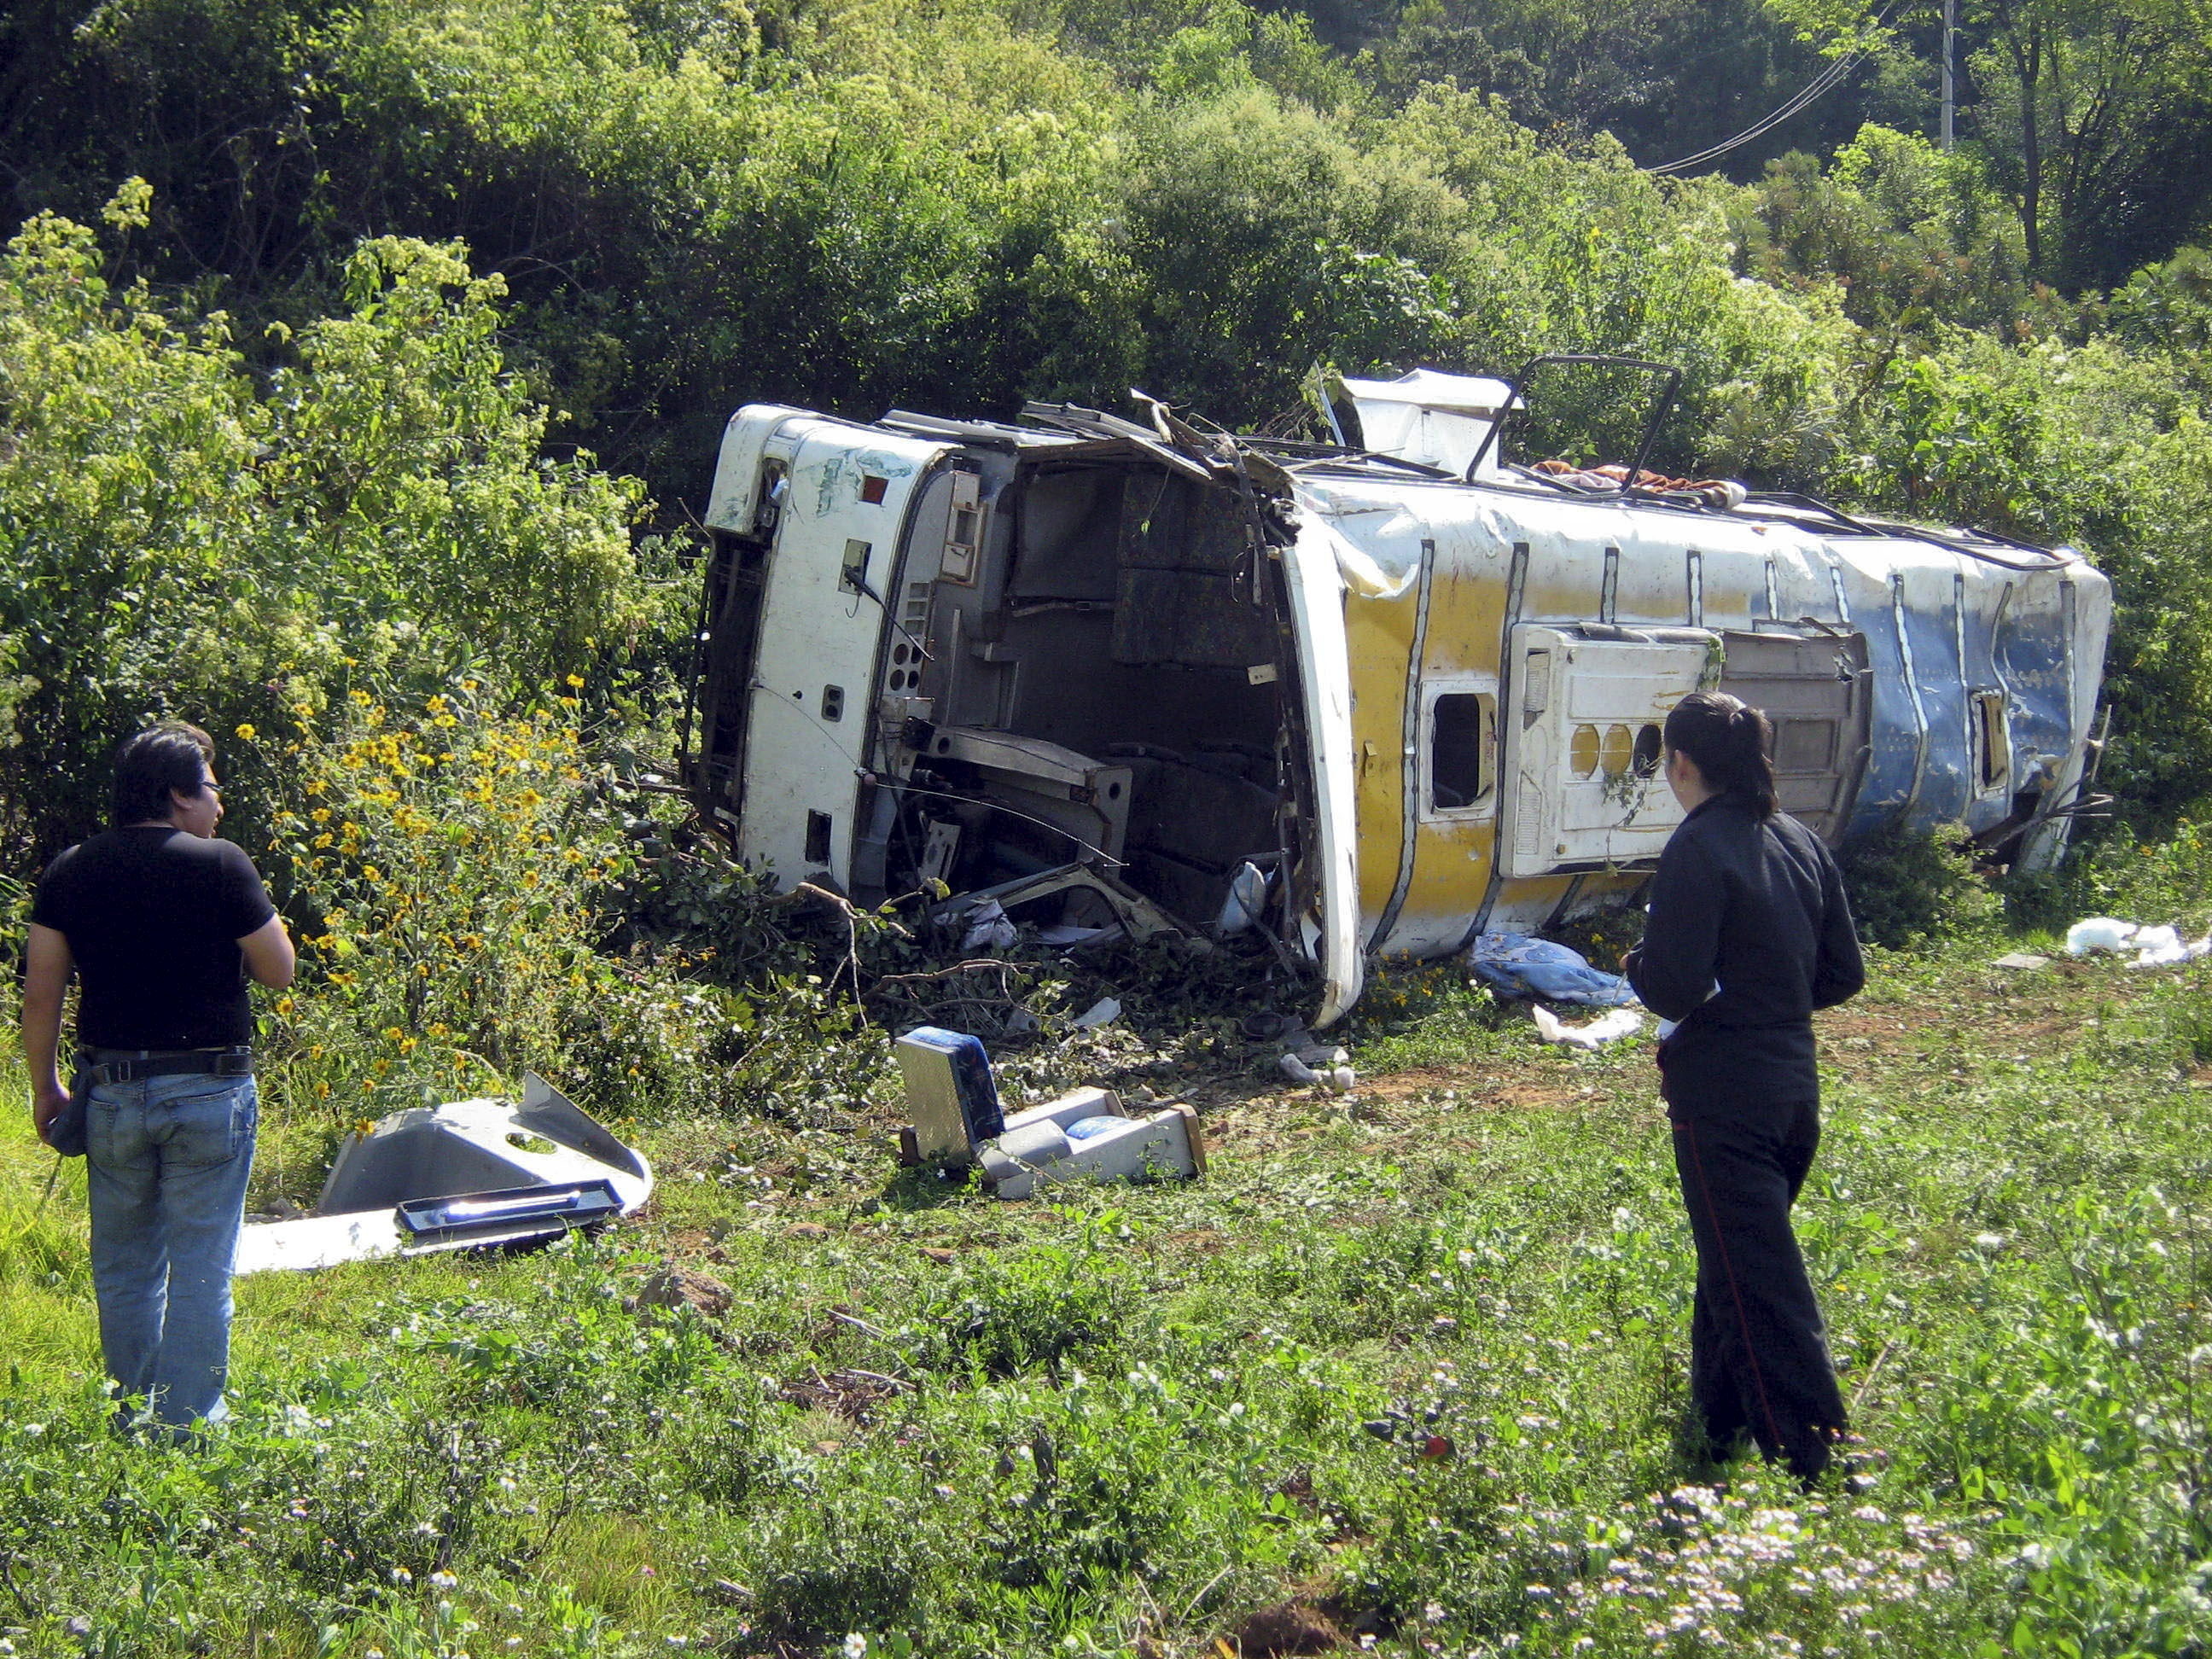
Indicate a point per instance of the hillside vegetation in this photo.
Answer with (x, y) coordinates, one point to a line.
(641, 215)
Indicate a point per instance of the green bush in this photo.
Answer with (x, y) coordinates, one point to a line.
(1905, 233)
(454, 872)
(2120, 873)
(449, 877)
(180, 536)
(1910, 889)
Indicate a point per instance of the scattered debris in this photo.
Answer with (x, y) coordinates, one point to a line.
(1075, 884)
(1724, 494)
(1329, 1067)
(2163, 947)
(1104, 1012)
(1088, 1135)
(1302, 1060)
(2022, 960)
(2098, 933)
(950, 1095)
(1247, 900)
(1269, 1027)
(988, 928)
(1606, 1028)
(463, 1176)
(1516, 965)
(2155, 946)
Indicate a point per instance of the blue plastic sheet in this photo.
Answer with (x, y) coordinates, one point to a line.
(1516, 965)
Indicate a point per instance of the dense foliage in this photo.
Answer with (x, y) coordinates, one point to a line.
(179, 536)
(682, 204)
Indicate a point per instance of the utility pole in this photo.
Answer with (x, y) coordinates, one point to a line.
(1950, 89)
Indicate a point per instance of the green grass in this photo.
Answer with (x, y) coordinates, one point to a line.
(1129, 1421)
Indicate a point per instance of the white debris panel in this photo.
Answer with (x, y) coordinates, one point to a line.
(462, 1176)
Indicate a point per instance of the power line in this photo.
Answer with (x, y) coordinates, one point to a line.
(1834, 73)
(1821, 85)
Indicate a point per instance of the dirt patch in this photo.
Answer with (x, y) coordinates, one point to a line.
(1398, 1085)
(1292, 1627)
(854, 1395)
(1875, 1028)
(675, 1287)
(1205, 1241)
(1532, 1094)
(1483, 1092)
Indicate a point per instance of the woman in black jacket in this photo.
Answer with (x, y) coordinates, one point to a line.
(1749, 932)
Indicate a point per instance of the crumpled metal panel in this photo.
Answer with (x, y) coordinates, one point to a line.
(2029, 658)
(462, 1147)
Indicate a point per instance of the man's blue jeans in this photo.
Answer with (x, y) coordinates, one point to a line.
(167, 1159)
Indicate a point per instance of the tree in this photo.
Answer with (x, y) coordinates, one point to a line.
(177, 536)
(2087, 110)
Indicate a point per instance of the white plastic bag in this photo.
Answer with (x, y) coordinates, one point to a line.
(989, 928)
(1610, 1028)
(2098, 933)
(1248, 897)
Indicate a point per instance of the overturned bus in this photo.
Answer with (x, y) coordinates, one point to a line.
(1374, 696)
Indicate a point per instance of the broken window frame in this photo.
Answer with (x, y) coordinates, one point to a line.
(1484, 688)
(1992, 739)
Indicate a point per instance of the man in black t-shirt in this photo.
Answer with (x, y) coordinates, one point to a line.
(162, 923)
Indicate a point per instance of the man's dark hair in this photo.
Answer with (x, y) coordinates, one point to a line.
(1728, 740)
(170, 756)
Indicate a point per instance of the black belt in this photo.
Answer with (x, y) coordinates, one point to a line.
(113, 1065)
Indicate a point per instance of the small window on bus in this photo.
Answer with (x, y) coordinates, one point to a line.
(1462, 728)
(1996, 744)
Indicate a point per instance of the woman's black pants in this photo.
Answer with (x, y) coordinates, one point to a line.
(1758, 1352)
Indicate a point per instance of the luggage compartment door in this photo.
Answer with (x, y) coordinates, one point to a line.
(1584, 770)
(1818, 692)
